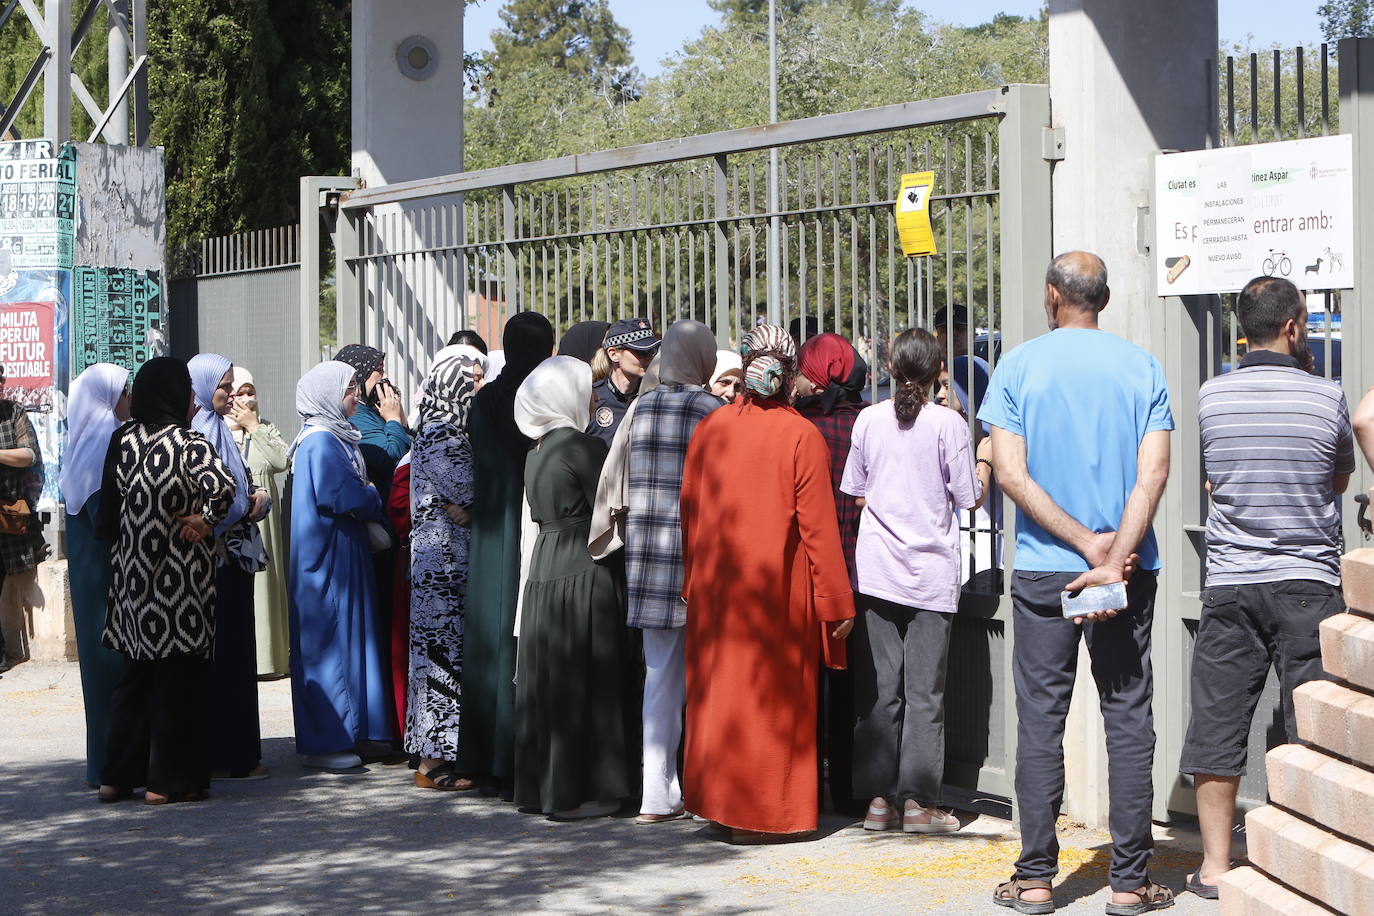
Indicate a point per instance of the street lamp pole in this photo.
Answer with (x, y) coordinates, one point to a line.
(773, 267)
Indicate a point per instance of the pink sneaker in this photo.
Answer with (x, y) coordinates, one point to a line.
(929, 820)
(881, 816)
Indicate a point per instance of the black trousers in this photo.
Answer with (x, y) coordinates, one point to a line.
(159, 727)
(236, 744)
(1044, 666)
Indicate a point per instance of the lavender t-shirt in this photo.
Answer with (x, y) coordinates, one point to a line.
(914, 481)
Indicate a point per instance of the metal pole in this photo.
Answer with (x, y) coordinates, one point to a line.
(774, 223)
(118, 66)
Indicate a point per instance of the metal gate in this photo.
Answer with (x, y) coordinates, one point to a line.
(1262, 98)
(678, 229)
(239, 296)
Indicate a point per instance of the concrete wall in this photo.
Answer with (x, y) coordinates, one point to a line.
(1126, 80)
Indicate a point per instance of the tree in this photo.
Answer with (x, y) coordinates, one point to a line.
(1346, 19)
(578, 37)
(246, 96)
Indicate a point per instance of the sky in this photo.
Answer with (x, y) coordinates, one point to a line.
(658, 29)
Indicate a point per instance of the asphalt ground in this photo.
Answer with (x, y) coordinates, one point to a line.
(369, 841)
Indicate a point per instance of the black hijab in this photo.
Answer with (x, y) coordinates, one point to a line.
(528, 341)
(161, 397)
(162, 393)
(364, 359)
(584, 339)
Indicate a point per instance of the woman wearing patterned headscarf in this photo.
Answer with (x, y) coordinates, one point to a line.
(338, 657)
(486, 733)
(765, 585)
(236, 748)
(163, 493)
(96, 407)
(571, 754)
(441, 496)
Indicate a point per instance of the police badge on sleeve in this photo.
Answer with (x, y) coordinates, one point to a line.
(604, 417)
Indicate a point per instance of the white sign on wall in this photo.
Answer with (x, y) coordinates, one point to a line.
(1225, 216)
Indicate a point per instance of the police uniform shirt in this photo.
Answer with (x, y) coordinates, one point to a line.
(609, 410)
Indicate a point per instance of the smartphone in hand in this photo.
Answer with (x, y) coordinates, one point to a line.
(1109, 597)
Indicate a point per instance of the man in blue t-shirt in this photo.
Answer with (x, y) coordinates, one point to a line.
(1080, 437)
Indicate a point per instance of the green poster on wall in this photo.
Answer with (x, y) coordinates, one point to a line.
(117, 317)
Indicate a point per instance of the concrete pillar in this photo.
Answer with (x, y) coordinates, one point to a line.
(1126, 81)
(407, 89)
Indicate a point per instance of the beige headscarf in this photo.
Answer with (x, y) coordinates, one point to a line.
(688, 354)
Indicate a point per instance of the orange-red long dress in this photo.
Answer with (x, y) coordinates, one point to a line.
(763, 568)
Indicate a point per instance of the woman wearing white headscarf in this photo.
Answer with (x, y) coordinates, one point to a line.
(264, 454)
(570, 729)
(339, 687)
(236, 747)
(97, 405)
(441, 493)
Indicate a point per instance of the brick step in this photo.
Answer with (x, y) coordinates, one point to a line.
(1247, 892)
(1336, 718)
(1348, 648)
(1329, 791)
(1317, 863)
(1357, 580)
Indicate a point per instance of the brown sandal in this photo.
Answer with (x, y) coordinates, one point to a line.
(444, 778)
(1152, 897)
(1008, 893)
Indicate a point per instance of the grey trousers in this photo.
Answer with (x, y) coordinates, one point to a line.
(1044, 664)
(899, 701)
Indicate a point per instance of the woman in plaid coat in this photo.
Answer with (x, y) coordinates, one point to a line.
(661, 427)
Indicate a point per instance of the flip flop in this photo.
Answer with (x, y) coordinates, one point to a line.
(647, 820)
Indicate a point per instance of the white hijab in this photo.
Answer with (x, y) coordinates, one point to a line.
(556, 395)
(319, 401)
(91, 421)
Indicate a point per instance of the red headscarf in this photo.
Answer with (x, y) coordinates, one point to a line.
(826, 359)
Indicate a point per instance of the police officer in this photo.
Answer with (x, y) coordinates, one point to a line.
(630, 345)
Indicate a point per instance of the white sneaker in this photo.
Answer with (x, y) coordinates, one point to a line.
(344, 760)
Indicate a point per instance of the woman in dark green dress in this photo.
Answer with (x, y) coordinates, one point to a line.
(97, 405)
(485, 733)
(570, 747)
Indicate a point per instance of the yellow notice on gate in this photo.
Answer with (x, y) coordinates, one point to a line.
(913, 214)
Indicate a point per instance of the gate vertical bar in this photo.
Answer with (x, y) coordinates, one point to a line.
(510, 273)
(1026, 248)
(1356, 86)
(719, 164)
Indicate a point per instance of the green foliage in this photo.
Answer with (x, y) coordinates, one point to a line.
(1346, 19)
(1254, 121)
(247, 96)
(578, 37)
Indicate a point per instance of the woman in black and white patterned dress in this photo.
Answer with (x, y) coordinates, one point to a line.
(441, 500)
(163, 492)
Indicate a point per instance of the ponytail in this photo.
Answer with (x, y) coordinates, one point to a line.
(916, 362)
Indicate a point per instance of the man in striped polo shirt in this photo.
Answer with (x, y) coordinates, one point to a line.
(1278, 450)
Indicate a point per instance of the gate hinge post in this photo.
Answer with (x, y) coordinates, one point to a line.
(1144, 230)
(1052, 142)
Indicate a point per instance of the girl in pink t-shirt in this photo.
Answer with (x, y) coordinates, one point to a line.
(911, 467)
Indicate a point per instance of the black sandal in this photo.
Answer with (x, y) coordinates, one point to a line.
(1008, 893)
(1152, 897)
(445, 778)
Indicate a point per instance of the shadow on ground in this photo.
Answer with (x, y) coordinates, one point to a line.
(304, 841)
